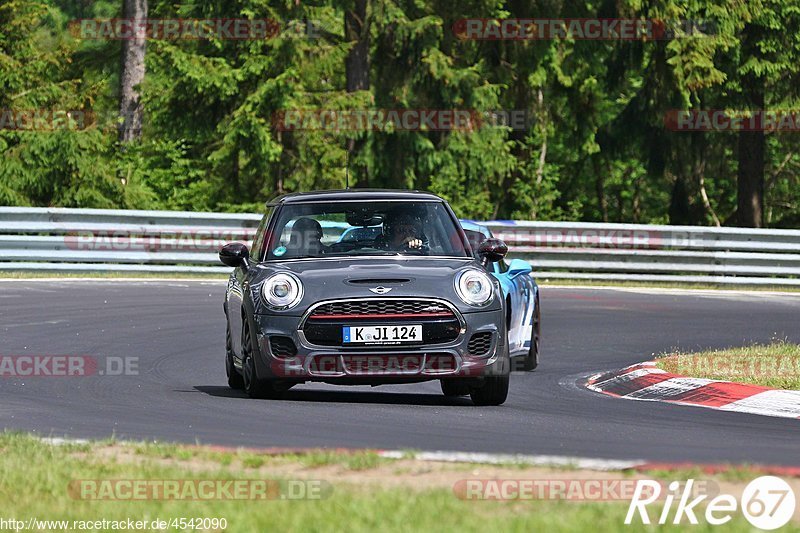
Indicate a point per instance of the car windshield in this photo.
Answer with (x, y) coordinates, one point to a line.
(342, 229)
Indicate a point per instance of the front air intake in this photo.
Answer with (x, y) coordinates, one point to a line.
(480, 344)
(282, 346)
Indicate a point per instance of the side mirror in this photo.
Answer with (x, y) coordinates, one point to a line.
(492, 250)
(234, 254)
(518, 267)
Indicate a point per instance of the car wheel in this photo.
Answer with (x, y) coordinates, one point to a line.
(254, 387)
(453, 388)
(235, 380)
(493, 392)
(532, 360)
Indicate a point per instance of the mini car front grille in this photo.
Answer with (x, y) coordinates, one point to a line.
(480, 343)
(381, 308)
(282, 346)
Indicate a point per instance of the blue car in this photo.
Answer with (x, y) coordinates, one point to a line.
(521, 292)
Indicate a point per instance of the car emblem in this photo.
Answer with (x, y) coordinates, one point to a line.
(434, 309)
(380, 290)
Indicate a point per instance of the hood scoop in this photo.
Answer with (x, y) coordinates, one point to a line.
(378, 281)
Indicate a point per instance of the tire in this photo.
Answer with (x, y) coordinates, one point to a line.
(532, 359)
(254, 387)
(493, 392)
(453, 388)
(235, 380)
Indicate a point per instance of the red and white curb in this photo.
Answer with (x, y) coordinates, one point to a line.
(645, 382)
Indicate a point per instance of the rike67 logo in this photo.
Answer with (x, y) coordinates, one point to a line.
(767, 502)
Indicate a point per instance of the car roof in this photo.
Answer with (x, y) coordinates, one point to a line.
(343, 195)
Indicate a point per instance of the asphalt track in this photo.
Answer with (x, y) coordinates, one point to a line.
(176, 330)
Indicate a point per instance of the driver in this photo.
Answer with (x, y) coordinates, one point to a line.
(305, 238)
(403, 232)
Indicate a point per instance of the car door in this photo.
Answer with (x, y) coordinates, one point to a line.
(527, 289)
(515, 302)
(523, 296)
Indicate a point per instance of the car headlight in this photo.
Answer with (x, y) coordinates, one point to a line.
(282, 291)
(474, 287)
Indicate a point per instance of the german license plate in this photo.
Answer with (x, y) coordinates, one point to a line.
(382, 334)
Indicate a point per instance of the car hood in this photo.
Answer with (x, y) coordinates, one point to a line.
(329, 279)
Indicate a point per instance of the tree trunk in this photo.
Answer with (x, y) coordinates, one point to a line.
(637, 200)
(235, 172)
(750, 197)
(701, 180)
(357, 62)
(283, 162)
(130, 106)
(357, 71)
(752, 145)
(699, 146)
(679, 207)
(600, 190)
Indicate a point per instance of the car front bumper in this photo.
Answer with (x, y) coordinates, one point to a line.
(379, 364)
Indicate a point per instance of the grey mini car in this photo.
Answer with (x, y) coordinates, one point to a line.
(365, 287)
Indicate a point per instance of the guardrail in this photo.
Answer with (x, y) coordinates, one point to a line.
(641, 252)
(86, 240)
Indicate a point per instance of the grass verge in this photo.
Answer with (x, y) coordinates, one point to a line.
(774, 365)
(365, 494)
